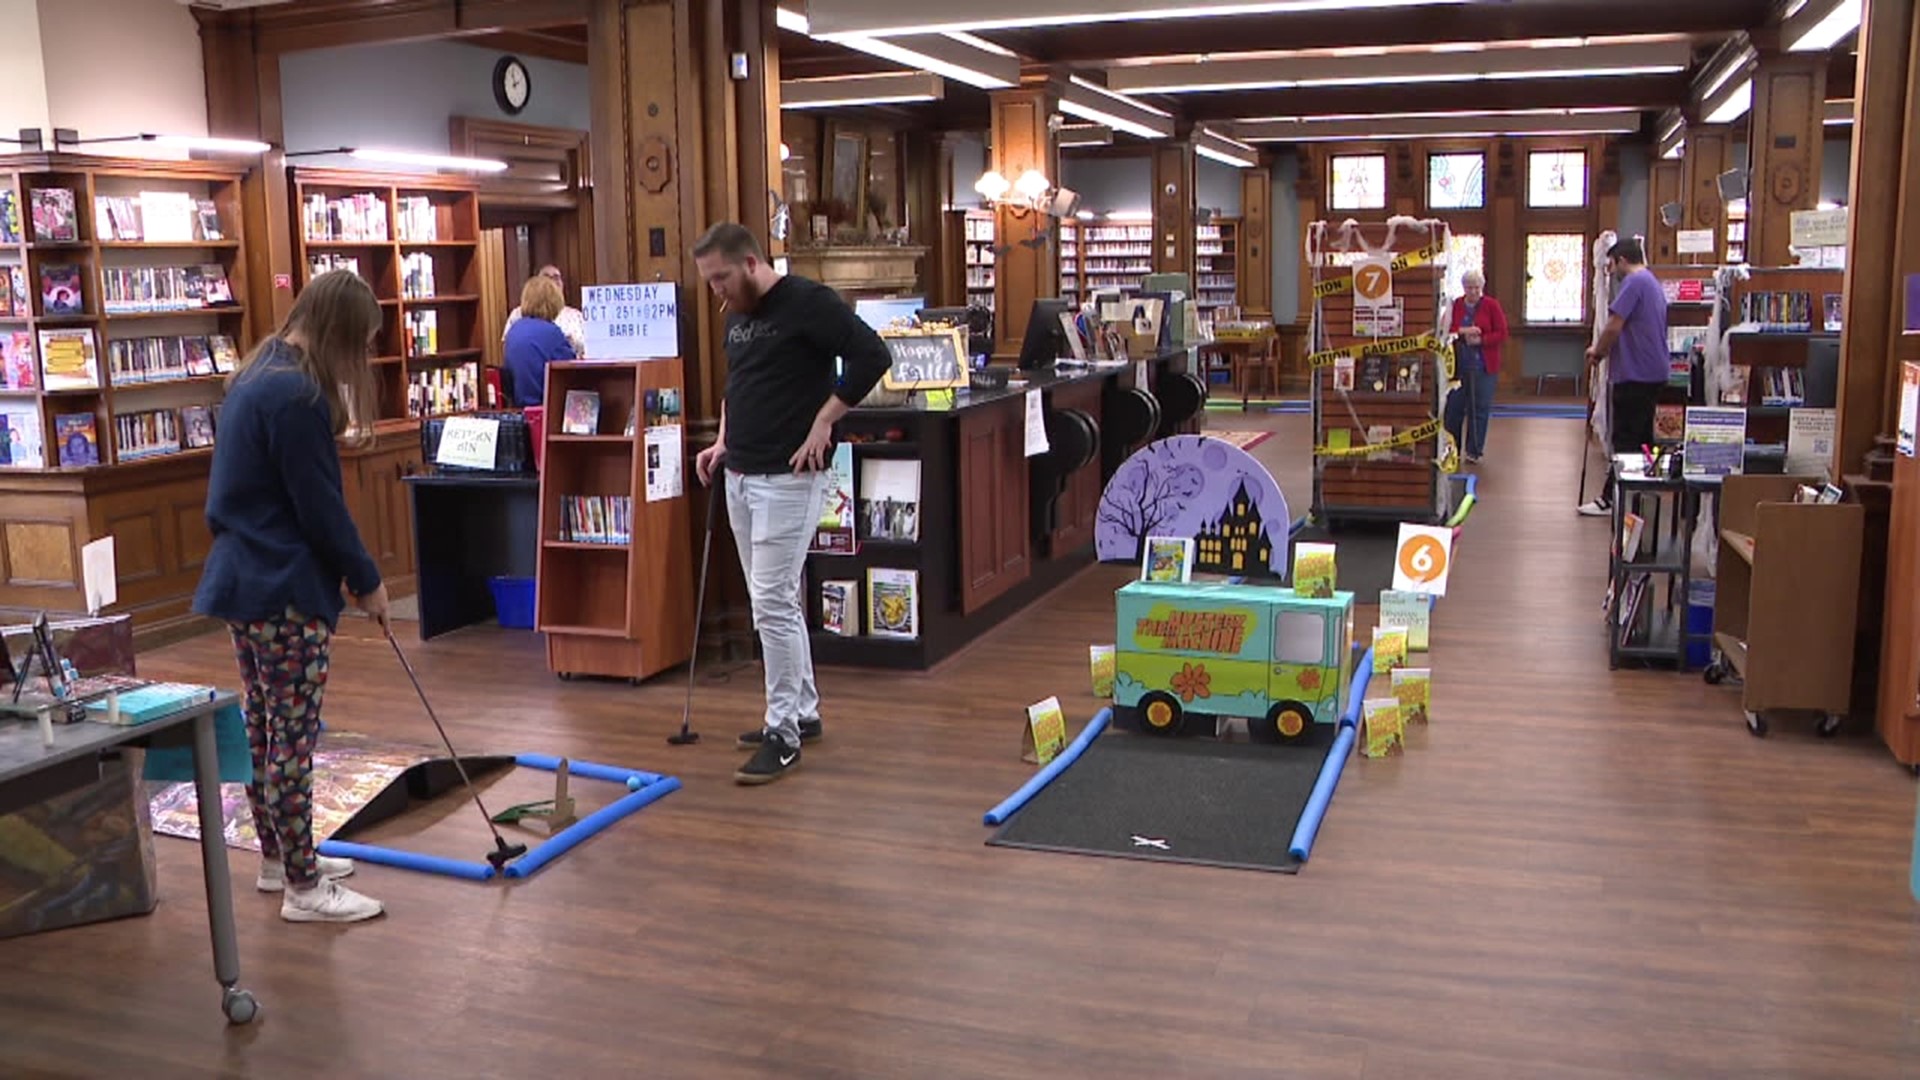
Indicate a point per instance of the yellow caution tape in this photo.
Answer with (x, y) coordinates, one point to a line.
(1401, 439)
(1425, 256)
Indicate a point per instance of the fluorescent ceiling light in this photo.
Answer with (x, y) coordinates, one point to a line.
(1430, 48)
(1483, 126)
(1475, 113)
(833, 91)
(1505, 62)
(1722, 69)
(1732, 104)
(217, 145)
(1673, 153)
(834, 19)
(790, 20)
(1090, 101)
(1085, 135)
(431, 161)
(944, 55)
(1211, 144)
(1819, 26)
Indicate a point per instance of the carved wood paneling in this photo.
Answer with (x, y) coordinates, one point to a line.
(1784, 146)
(1024, 270)
(41, 554)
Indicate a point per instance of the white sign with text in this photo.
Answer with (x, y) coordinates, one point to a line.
(632, 322)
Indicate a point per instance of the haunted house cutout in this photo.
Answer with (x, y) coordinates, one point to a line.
(1236, 542)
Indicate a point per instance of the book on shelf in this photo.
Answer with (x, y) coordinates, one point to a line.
(153, 289)
(889, 500)
(357, 218)
(18, 366)
(446, 390)
(416, 276)
(893, 602)
(836, 534)
(414, 220)
(196, 422)
(77, 441)
(146, 434)
(60, 292)
(840, 608)
(54, 218)
(597, 519)
(20, 441)
(156, 217)
(580, 413)
(1777, 312)
(67, 359)
(10, 231)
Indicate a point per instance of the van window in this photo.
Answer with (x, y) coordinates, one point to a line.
(1299, 637)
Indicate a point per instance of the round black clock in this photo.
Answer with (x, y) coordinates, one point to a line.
(511, 84)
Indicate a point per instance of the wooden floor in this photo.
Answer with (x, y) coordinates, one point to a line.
(1576, 873)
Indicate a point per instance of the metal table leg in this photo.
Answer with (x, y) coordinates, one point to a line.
(238, 1004)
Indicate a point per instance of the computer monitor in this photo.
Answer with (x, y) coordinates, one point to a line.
(979, 345)
(880, 312)
(1046, 339)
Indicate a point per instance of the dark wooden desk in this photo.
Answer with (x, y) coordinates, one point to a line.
(31, 772)
(467, 528)
(982, 552)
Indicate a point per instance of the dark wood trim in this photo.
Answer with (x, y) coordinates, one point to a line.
(331, 23)
(547, 46)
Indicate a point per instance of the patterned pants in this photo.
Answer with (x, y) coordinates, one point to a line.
(283, 665)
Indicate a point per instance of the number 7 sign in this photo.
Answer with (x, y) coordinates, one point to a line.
(1372, 283)
(1422, 559)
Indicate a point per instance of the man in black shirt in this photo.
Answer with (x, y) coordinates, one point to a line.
(783, 335)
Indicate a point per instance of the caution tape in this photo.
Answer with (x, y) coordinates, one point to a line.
(1402, 439)
(1419, 257)
(1380, 347)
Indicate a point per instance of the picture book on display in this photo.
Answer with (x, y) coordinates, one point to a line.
(1410, 610)
(582, 413)
(1167, 558)
(840, 608)
(1314, 570)
(836, 534)
(893, 602)
(54, 220)
(21, 446)
(67, 359)
(889, 500)
(78, 442)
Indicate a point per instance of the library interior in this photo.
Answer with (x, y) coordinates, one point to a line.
(1264, 444)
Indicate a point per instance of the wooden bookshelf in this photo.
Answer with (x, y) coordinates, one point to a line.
(616, 603)
(141, 308)
(1406, 486)
(1692, 293)
(980, 264)
(1216, 266)
(415, 238)
(1776, 362)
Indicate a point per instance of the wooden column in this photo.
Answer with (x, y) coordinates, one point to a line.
(679, 145)
(1506, 250)
(1256, 238)
(243, 102)
(1176, 177)
(1309, 191)
(1664, 184)
(1709, 153)
(928, 164)
(1024, 271)
(1605, 155)
(1783, 147)
(1884, 134)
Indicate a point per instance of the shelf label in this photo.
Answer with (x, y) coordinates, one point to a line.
(468, 442)
(1372, 284)
(632, 322)
(1694, 241)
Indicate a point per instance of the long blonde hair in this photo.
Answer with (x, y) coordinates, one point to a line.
(334, 317)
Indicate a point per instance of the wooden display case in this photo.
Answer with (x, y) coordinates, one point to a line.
(616, 601)
(140, 240)
(1785, 596)
(1391, 394)
(1778, 362)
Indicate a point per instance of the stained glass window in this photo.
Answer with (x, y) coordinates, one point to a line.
(1557, 178)
(1556, 278)
(1456, 181)
(1359, 182)
(1465, 251)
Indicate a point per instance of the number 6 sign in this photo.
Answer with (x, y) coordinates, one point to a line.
(1422, 559)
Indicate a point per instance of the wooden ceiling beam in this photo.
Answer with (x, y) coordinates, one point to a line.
(1100, 43)
(531, 43)
(328, 23)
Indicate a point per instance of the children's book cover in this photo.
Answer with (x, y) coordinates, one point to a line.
(1410, 610)
(1382, 731)
(1101, 659)
(1315, 569)
(1413, 688)
(79, 444)
(1167, 558)
(1389, 648)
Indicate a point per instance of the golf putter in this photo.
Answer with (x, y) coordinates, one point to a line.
(687, 736)
(503, 852)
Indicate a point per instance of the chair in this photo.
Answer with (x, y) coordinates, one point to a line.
(1265, 363)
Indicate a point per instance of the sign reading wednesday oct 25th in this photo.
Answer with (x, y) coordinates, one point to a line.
(632, 322)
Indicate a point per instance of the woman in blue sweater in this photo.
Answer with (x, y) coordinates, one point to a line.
(285, 556)
(535, 339)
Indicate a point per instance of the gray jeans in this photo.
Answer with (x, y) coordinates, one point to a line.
(774, 519)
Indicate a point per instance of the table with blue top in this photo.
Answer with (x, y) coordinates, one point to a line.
(31, 772)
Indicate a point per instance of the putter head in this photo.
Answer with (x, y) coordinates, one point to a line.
(684, 738)
(505, 854)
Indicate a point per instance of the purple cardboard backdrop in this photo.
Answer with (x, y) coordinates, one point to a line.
(1193, 486)
(1913, 304)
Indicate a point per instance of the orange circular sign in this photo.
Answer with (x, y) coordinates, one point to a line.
(1372, 281)
(1423, 559)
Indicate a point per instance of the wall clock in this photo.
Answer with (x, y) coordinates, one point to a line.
(511, 84)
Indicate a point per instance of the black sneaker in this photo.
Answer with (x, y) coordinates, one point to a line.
(809, 732)
(773, 760)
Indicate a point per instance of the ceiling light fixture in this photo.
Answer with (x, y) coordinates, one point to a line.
(1839, 111)
(1615, 122)
(1072, 135)
(835, 19)
(1090, 101)
(409, 157)
(790, 20)
(1732, 103)
(1227, 151)
(944, 55)
(1818, 27)
(1505, 62)
(64, 137)
(839, 91)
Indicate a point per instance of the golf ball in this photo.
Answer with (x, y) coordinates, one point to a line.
(633, 783)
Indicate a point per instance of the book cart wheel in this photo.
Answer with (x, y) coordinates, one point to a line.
(1829, 725)
(1715, 673)
(565, 676)
(1756, 724)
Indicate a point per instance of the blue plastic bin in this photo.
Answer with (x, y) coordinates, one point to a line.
(1699, 621)
(513, 601)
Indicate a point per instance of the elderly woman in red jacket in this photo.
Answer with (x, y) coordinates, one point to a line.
(1479, 328)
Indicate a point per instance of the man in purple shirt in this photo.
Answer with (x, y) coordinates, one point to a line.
(1635, 345)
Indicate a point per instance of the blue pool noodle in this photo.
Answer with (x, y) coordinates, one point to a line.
(1322, 797)
(1053, 768)
(588, 769)
(406, 860)
(558, 844)
(1362, 676)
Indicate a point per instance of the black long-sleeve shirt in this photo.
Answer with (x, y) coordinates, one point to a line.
(780, 370)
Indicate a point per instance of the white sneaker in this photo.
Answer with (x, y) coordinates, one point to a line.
(1596, 508)
(328, 901)
(273, 875)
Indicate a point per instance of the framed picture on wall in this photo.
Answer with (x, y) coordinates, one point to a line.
(846, 180)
